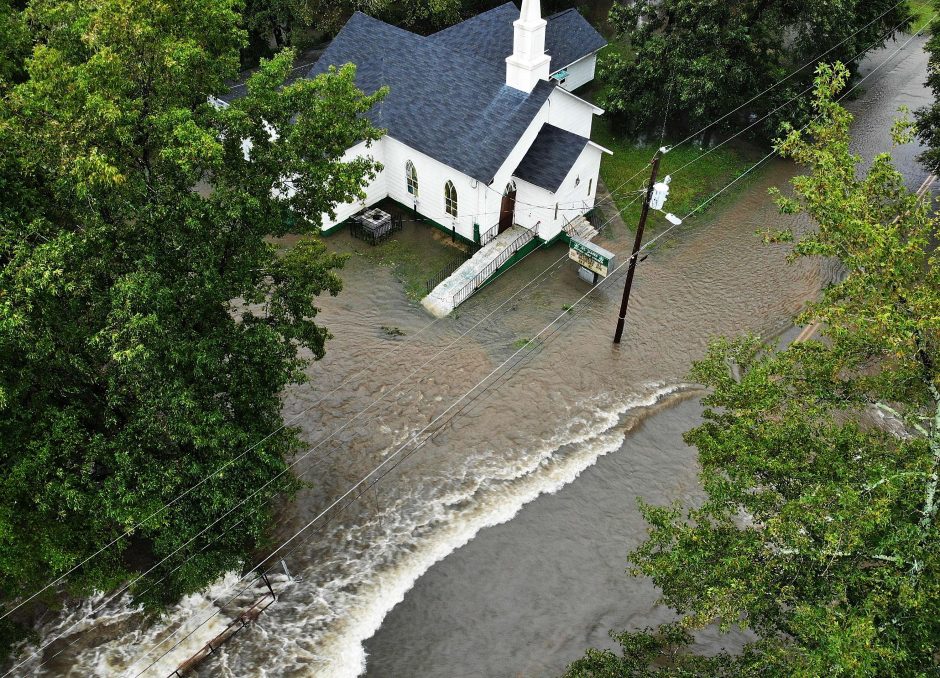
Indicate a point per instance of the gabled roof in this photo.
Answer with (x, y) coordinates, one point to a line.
(449, 105)
(551, 157)
(489, 36)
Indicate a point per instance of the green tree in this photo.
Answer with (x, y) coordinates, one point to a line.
(702, 58)
(820, 462)
(147, 328)
(14, 43)
(928, 117)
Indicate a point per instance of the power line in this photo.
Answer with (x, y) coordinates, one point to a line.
(801, 68)
(415, 437)
(783, 105)
(309, 451)
(62, 577)
(551, 265)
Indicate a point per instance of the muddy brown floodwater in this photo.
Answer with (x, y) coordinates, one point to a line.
(499, 547)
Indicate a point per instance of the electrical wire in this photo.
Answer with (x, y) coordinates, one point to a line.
(646, 246)
(126, 586)
(701, 206)
(781, 81)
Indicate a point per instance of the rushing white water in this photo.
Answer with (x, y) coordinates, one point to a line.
(532, 436)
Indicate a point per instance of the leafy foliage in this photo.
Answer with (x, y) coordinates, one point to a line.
(820, 462)
(928, 117)
(702, 58)
(147, 328)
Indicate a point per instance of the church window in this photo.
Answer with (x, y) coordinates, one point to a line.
(450, 198)
(411, 177)
(590, 185)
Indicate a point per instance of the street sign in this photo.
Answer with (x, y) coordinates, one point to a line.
(590, 256)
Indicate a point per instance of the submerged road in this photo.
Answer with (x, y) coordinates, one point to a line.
(499, 548)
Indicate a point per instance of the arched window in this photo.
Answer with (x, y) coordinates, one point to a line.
(411, 177)
(510, 188)
(450, 198)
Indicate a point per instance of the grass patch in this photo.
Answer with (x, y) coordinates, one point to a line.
(521, 343)
(690, 186)
(921, 10)
(414, 261)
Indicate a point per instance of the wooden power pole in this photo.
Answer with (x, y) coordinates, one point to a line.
(637, 243)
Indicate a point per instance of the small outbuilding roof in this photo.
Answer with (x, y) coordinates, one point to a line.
(551, 157)
(447, 104)
(489, 36)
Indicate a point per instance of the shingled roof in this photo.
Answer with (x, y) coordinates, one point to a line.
(489, 36)
(550, 157)
(448, 104)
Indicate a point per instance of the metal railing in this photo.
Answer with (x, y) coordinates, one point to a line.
(447, 270)
(521, 241)
(567, 227)
(489, 235)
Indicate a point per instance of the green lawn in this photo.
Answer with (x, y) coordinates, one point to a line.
(416, 253)
(922, 10)
(413, 259)
(690, 186)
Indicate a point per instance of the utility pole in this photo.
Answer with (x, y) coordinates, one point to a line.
(628, 285)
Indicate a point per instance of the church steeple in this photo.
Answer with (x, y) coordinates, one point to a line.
(528, 62)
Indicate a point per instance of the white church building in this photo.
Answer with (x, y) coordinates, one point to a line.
(482, 130)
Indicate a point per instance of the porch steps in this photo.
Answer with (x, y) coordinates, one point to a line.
(581, 227)
(440, 301)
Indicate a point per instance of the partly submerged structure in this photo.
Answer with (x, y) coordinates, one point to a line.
(483, 135)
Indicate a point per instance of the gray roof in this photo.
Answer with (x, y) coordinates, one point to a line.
(447, 104)
(551, 157)
(489, 36)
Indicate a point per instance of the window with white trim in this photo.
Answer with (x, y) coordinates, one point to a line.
(411, 178)
(450, 198)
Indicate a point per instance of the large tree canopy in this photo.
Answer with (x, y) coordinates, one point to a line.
(692, 61)
(820, 462)
(147, 328)
(928, 117)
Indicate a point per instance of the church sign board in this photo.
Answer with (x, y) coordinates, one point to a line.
(590, 256)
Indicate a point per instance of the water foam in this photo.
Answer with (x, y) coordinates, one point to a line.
(321, 623)
(497, 499)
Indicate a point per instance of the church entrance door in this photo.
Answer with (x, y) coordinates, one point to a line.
(507, 211)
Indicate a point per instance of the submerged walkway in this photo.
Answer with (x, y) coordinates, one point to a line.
(475, 271)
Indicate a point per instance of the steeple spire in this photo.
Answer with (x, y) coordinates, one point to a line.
(528, 62)
(531, 11)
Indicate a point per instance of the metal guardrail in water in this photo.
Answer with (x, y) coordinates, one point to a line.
(491, 268)
(447, 271)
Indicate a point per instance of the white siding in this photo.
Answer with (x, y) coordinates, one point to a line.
(569, 113)
(432, 176)
(374, 191)
(478, 203)
(580, 72)
(504, 174)
(536, 206)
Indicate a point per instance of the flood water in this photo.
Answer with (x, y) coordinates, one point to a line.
(497, 548)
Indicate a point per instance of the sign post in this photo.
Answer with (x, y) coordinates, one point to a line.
(590, 256)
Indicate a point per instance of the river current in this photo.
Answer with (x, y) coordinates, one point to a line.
(498, 547)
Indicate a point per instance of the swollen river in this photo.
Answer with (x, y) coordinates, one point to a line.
(412, 578)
